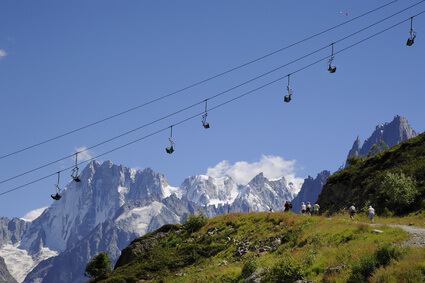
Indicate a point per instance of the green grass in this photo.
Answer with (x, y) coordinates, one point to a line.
(308, 247)
(362, 183)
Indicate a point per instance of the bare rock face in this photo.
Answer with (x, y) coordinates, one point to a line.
(391, 133)
(11, 231)
(143, 245)
(5, 276)
(310, 190)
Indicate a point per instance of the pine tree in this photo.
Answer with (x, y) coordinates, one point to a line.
(99, 265)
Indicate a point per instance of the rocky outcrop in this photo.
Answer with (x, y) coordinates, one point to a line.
(310, 190)
(71, 263)
(391, 133)
(361, 184)
(11, 231)
(144, 244)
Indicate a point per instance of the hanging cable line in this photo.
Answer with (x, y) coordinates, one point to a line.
(215, 107)
(197, 83)
(217, 95)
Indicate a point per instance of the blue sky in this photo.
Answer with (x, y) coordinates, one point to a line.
(66, 64)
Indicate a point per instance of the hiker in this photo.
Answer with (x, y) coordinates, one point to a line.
(308, 210)
(288, 206)
(316, 208)
(303, 208)
(371, 213)
(352, 211)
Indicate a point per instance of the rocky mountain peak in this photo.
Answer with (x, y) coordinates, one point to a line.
(114, 204)
(391, 133)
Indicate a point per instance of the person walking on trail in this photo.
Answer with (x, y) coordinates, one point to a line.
(316, 208)
(371, 213)
(288, 206)
(352, 211)
(303, 208)
(308, 210)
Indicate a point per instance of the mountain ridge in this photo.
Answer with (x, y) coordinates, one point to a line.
(114, 204)
(361, 183)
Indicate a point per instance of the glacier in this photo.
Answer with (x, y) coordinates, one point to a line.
(114, 204)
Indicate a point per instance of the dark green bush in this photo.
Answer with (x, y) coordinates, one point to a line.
(363, 268)
(99, 265)
(285, 270)
(249, 266)
(291, 237)
(400, 190)
(354, 159)
(367, 264)
(384, 254)
(194, 222)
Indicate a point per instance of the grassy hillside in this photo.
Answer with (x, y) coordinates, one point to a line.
(363, 182)
(285, 246)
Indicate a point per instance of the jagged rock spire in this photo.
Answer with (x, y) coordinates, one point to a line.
(391, 133)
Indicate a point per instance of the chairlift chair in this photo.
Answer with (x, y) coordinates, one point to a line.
(410, 40)
(170, 149)
(331, 69)
(288, 97)
(74, 172)
(412, 37)
(57, 196)
(204, 117)
(204, 122)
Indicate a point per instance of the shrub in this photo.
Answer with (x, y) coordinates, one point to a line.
(249, 266)
(291, 237)
(401, 191)
(99, 265)
(354, 159)
(363, 268)
(384, 254)
(368, 264)
(285, 270)
(377, 148)
(195, 222)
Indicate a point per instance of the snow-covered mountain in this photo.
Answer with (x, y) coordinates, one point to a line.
(111, 206)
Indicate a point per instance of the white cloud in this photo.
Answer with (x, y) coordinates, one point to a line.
(2, 53)
(273, 167)
(30, 216)
(83, 154)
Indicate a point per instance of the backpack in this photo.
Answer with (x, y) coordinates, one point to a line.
(290, 205)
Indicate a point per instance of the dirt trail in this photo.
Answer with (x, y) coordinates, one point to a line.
(418, 234)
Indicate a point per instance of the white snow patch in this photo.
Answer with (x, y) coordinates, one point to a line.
(123, 191)
(33, 214)
(19, 263)
(133, 174)
(139, 218)
(168, 191)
